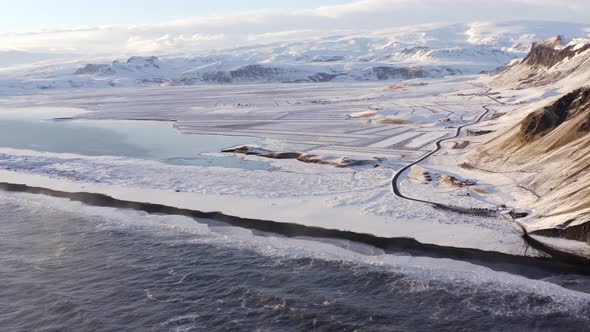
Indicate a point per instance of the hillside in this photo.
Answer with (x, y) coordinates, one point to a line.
(548, 146)
(548, 62)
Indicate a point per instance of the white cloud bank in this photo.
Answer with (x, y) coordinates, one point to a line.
(236, 29)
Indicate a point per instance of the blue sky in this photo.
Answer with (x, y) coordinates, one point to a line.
(28, 15)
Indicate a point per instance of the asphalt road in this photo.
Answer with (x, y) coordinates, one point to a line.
(395, 180)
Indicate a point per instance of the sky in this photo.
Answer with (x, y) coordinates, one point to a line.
(30, 15)
(164, 26)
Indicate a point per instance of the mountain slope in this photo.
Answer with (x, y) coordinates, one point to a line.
(549, 147)
(548, 62)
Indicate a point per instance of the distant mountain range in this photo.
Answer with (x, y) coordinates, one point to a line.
(425, 51)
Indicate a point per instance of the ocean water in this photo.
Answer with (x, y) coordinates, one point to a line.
(69, 267)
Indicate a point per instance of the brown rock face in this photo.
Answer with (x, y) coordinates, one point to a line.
(585, 126)
(545, 120)
(552, 147)
(577, 233)
(545, 53)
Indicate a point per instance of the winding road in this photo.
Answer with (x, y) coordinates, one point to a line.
(529, 240)
(396, 177)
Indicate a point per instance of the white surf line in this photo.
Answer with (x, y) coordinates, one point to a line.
(575, 264)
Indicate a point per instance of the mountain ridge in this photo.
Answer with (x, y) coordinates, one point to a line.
(423, 51)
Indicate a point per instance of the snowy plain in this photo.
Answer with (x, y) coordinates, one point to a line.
(357, 199)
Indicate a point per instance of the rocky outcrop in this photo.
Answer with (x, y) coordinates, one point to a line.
(577, 233)
(547, 63)
(545, 120)
(549, 53)
(410, 51)
(389, 73)
(146, 62)
(327, 58)
(258, 73)
(94, 69)
(306, 158)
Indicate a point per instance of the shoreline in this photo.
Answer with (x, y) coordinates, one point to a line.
(562, 263)
(312, 211)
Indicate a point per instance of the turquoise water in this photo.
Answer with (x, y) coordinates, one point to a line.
(134, 139)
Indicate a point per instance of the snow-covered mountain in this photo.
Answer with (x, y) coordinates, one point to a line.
(547, 139)
(550, 61)
(424, 51)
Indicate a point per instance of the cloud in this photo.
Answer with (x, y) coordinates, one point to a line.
(572, 5)
(280, 35)
(237, 29)
(179, 43)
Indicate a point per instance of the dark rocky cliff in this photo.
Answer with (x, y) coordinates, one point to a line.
(545, 120)
(547, 53)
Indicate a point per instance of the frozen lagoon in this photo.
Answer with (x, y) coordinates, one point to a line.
(41, 130)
